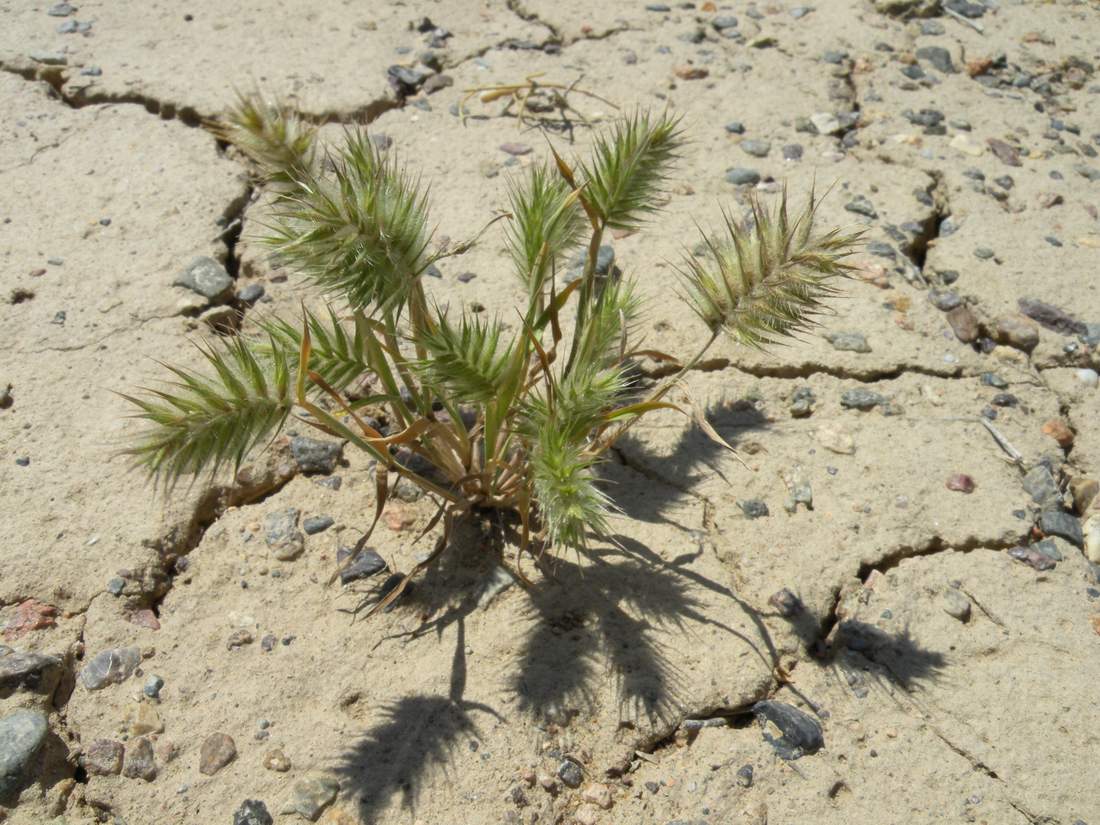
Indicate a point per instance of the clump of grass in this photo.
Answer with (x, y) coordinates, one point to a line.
(509, 419)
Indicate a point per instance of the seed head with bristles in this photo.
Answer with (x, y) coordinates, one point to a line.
(769, 281)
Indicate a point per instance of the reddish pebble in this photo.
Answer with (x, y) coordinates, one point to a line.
(961, 483)
(30, 615)
(145, 618)
(397, 518)
(691, 72)
(1057, 429)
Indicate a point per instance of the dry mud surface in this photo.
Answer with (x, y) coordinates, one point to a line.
(953, 676)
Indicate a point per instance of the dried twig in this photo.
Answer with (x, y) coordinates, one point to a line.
(1004, 444)
(965, 21)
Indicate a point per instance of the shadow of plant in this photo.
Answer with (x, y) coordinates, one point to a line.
(901, 659)
(417, 735)
(606, 616)
(693, 456)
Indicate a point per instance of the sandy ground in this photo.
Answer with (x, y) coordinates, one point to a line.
(952, 674)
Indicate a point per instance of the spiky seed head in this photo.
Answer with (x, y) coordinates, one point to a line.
(468, 362)
(623, 181)
(547, 223)
(769, 281)
(203, 421)
(273, 135)
(565, 484)
(359, 232)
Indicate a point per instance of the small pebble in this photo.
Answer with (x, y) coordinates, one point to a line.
(152, 686)
(570, 773)
(252, 812)
(960, 483)
(744, 776)
(317, 524)
(753, 508)
(956, 605)
(848, 342)
(756, 148)
(740, 176)
(1032, 558)
(217, 751)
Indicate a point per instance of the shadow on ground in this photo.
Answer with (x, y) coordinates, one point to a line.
(607, 616)
(692, 458)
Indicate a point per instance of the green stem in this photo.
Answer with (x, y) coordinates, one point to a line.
(661, 391)
(588, 283)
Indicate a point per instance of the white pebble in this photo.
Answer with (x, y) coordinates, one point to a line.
(1088, 377)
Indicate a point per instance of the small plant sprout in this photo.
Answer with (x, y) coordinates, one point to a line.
(480, 414)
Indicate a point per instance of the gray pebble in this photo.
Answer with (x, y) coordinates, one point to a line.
(116, 585)
(281, 534)
(944, 299)
(365, 564)
(861, 206)
(983, 253)
(735, 127)
(152, 686)
(744, 776)
(861, 399)
(250, 293)
(753, 508)
(742, 177)
(1063, 525)
(605, 263)
(756, 148)
(802, 402)
(1040, 485)
(1032, 558)
(61, 10)
(314, 456)
(801, 732)
(1049, 548)
(23, 670)
(848, 342)
(939, 57)
(792, 151)
(317, 524)
(208, 278)
(724, 22)
(310, 796)
(570, 773)
(882, 250)
(22, 733)
(110, 667)
(50, 58)
(956, 605)
(252, 812)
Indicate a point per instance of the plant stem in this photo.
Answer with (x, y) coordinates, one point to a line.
(661, 391)
(588, 279)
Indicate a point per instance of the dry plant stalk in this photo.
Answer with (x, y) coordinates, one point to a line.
(514, 421)
(533, 96)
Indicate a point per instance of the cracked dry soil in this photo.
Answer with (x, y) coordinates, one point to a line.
(946, 646)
